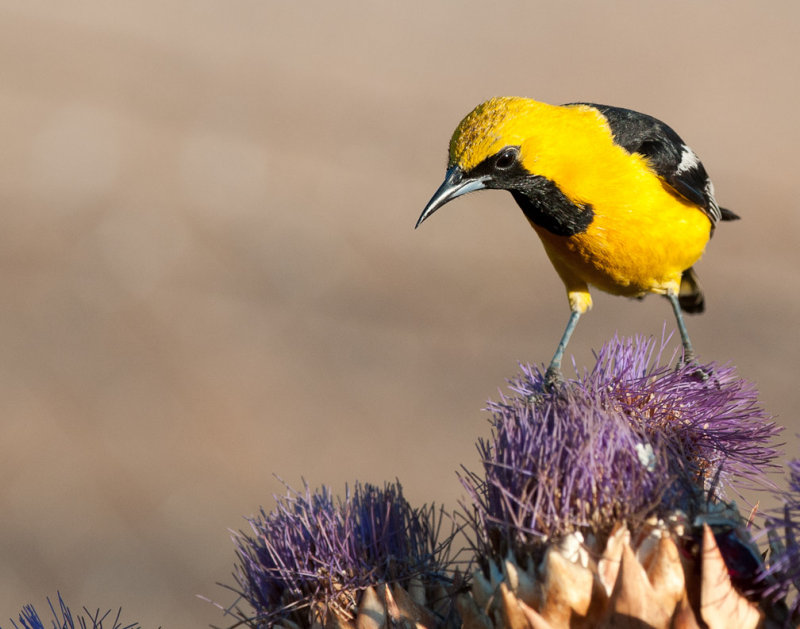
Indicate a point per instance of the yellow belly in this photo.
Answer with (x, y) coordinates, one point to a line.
(631, 252)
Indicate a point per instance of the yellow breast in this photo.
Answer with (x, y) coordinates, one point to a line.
(633, 249)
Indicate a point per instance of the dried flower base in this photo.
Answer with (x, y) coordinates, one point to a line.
(626, 587)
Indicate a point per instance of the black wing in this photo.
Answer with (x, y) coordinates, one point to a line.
(669, 156)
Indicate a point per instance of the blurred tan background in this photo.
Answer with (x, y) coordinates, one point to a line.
(209, 272)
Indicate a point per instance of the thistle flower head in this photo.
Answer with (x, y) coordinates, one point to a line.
(63, 618)
(629, 439)
(312, 555)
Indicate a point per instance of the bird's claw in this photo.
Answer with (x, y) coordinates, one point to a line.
(698, 372)
(553, 379)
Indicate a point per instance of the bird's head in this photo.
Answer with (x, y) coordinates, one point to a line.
(488, 149)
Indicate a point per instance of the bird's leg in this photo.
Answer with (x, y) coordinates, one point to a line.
(688, 350)
(553, 376)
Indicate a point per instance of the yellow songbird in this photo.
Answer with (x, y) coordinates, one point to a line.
(618, 199)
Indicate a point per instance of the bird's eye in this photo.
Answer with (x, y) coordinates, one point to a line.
(506, 158)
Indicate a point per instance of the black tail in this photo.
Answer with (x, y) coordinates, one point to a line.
(690, 296)
(727, 215)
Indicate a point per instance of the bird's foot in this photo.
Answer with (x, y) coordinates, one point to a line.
(698, 373)
(553, 379)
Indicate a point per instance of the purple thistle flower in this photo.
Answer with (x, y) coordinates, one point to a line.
(628, 439)
(312, 556)
(64, 619)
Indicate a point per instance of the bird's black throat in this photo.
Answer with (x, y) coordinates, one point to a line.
(546, 206)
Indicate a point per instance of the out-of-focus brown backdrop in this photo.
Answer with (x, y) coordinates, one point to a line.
(209, 272)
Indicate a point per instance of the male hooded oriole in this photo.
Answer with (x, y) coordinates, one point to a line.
(618, 200)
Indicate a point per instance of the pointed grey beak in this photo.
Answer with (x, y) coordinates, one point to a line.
(453, 186)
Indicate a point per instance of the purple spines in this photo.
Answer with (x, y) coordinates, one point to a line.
(313, 555)
(63, 618)
(557, 463)
(628, 439)
(712, 426)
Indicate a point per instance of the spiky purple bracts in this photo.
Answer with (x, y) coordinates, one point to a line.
(312, 555)
(628, 439)
(63, 618)
(712, 427)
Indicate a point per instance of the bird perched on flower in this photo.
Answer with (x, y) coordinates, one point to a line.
(619, 201)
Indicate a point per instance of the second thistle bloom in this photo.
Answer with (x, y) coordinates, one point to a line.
(311, 558)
